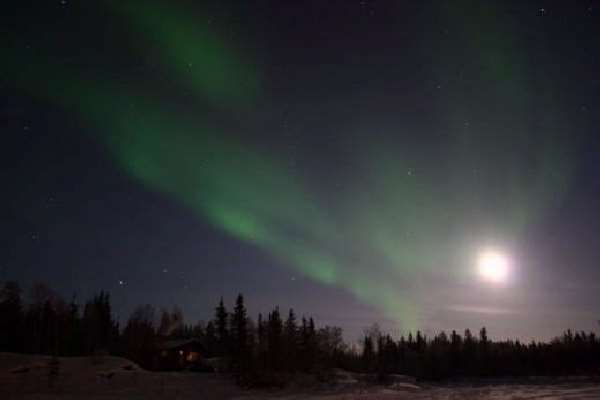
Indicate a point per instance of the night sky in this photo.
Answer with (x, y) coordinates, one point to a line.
(354, 160)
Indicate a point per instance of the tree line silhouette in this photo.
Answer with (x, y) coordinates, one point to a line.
(265, 351)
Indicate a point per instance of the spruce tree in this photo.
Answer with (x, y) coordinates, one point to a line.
(262, 342)
(274, 337)
(291, 340)
(11, 318)
(239, 330)
(221, 327)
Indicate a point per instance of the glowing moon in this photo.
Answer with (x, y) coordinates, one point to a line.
(493, 266)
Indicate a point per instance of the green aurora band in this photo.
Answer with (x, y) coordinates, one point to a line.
(407, 220)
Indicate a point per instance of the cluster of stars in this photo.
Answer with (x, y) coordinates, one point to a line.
(186, 284)
(367, 6)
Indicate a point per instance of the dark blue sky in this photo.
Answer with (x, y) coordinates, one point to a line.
(489, 110)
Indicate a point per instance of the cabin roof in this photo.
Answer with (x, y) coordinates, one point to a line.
(177, 343)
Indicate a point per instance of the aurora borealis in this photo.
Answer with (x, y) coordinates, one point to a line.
(369, 148)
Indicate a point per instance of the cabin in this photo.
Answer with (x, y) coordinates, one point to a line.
(179, 354)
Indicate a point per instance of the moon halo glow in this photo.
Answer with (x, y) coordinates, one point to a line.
(493, 266)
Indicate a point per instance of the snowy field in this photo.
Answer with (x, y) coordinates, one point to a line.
(508, 392)
(107, 378)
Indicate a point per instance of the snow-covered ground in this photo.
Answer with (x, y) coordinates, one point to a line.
(107, 378)
(506, 392)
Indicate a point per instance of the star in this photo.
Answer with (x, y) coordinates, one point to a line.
(121, 283)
